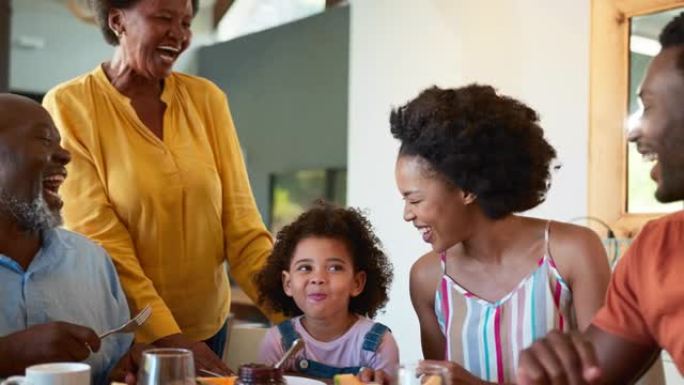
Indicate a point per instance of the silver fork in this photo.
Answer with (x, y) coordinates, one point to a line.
(131, 324)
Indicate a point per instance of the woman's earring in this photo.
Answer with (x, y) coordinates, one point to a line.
(117, 33)
(469, 198)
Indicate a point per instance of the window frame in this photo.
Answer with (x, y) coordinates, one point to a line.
(608, 109)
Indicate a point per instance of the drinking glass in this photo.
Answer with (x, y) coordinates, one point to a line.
(422, 373)
(167, 367)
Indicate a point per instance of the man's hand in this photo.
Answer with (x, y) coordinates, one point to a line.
(204, 357)
(375, 376)
(49, 342)
(559, 359)
(127, 367)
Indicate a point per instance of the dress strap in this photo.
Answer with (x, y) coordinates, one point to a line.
(442, 261)
(547, 237)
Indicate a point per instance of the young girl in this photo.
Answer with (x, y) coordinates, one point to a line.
(318, 272)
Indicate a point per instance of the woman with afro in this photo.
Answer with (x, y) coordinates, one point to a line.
(495, 281)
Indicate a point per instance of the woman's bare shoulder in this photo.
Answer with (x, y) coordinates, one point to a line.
(427, 266)
(576, 249)
(425, 275)
(568, 238)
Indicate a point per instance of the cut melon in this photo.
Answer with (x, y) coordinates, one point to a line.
(347, 379)
(217, 380)
(432, 380)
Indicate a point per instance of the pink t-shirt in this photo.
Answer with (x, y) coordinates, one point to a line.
(345, 351)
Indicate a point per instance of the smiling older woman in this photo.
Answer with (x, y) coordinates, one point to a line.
(157, 177)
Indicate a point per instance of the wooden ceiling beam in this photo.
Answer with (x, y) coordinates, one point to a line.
(332, 3)
(220, 9)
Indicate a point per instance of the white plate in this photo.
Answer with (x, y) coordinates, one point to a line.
(296, 380)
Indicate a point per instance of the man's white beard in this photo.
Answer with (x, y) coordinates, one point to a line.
(33, 216)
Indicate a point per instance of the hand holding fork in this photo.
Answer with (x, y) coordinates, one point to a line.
(131, 324)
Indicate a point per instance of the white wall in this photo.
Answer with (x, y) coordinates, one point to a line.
(534, 50)
(538, 52)
(397, 48)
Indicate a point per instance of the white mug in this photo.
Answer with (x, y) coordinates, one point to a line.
(63, 373)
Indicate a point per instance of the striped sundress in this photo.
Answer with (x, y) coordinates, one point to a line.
(485, 337)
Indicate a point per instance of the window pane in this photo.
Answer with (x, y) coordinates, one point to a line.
(292, 193)
(643, 46)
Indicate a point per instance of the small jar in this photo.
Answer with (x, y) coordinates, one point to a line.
(257, 374)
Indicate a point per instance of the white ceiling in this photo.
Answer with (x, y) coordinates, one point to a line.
(249, 16)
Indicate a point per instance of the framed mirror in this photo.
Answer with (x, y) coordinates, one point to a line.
(624, 38)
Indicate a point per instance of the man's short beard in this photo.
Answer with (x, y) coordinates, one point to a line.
(31, 217)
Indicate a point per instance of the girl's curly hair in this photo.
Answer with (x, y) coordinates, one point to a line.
(484, 143)
(328, 221)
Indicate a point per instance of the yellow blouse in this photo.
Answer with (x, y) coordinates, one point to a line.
(170, 211)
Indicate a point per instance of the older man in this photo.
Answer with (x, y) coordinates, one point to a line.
(58, 290)
(644, 309)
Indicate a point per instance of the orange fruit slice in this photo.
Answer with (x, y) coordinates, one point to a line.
(217, 380)
(347, 379)
(432, 380)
